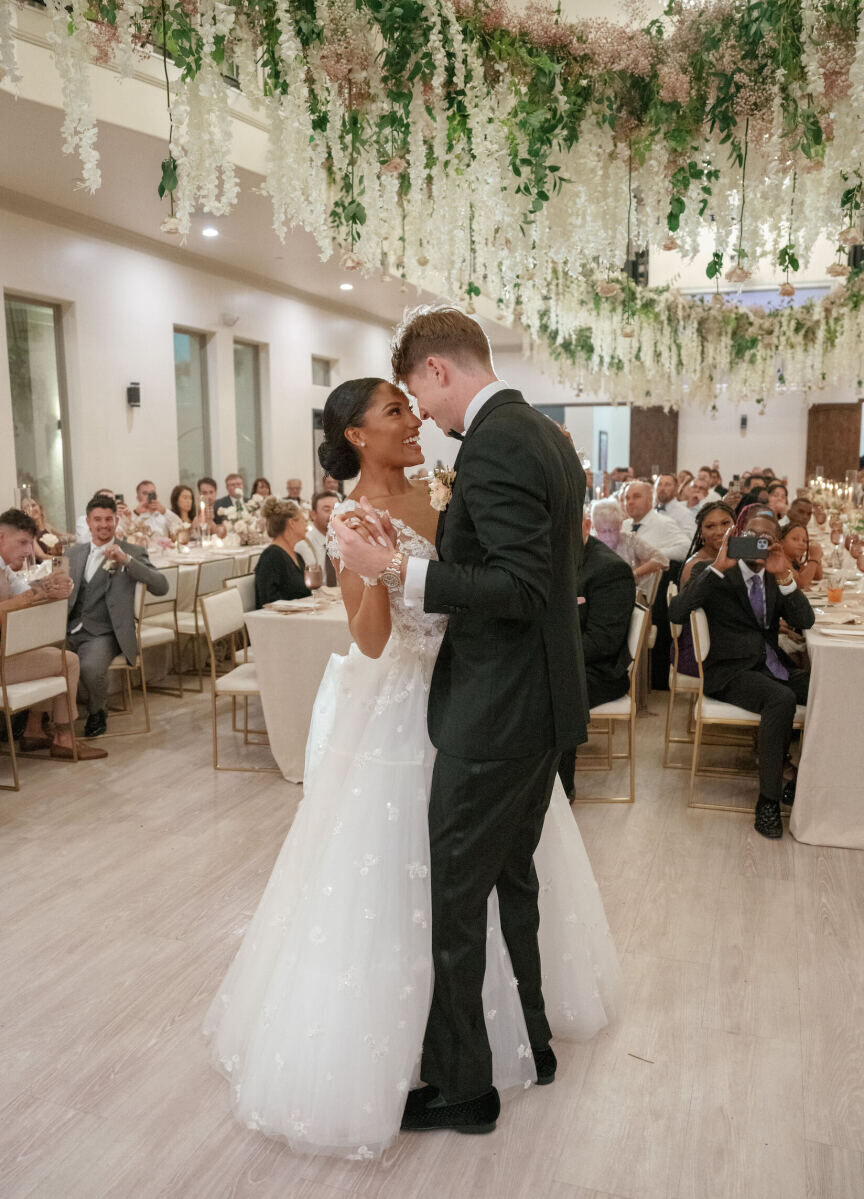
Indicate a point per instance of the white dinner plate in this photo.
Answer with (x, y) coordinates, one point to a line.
(851, 631)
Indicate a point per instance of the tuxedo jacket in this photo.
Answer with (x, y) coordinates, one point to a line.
(108, 600)
(737, 640)
(608, 588)
(509, 681)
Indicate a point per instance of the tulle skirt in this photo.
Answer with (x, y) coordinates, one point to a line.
(319, 1022)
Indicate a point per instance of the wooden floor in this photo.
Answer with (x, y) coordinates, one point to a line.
(736, 1069)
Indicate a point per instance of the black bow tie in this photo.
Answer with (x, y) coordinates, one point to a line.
(458, 436)
(636, 528)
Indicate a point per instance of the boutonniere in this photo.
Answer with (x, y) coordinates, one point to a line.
(109, 566)
(441, 488)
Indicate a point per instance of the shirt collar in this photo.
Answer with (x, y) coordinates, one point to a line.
(100, 549)
(747, 573)
(484, 394)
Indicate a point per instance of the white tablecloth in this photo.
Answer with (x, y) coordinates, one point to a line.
(291, 654)
(188, 564)
(829, 797)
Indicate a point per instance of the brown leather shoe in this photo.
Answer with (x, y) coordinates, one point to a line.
(86, 752)
(29, 745)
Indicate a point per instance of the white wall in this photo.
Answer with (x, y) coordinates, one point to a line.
(119, 309)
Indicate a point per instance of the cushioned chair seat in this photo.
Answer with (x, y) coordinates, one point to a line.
(685, 682)
(243, 680)
(715, 709)
(120, 663)
(34, 691)
(185, 622)
(615, 707)
(156, 636)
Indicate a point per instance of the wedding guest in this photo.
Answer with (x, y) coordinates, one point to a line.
(261, 487)
(313, 547)
(279, 572)
(607, 596)
(234, 488)
(656, 528)
(618, 478)
(642, 557)
(328, 483)
(693, 495)
(800, 511)
(152, 513)
(804, 558)
(744, 602)
(684, 476)
(102, 605)
(712, 523)
(294, 490)
(778, 502)
(48, 542)
(717, 482)
(703, 474)
(17, 534)
(207, 491)
(182, 504)
(666, 502)
(82, 529)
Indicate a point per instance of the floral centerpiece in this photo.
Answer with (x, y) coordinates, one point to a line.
(244, 519)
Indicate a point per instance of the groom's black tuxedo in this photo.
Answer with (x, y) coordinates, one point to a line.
(508, 694)
(508, 681)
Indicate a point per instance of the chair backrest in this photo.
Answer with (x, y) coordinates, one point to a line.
(253, 559)
(648, 586)
(245, 584)
(671, 593)
(172, 574)
(701, 636)
(211, 575)
(30, 628)
(223, 613)
(639, 621)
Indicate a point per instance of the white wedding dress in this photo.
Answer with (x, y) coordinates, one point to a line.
(319, 1022)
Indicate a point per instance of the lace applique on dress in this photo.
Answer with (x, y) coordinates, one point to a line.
(417, 631)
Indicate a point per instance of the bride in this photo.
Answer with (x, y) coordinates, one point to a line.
(319, 1022)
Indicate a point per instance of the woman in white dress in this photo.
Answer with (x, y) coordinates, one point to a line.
(319, 1022)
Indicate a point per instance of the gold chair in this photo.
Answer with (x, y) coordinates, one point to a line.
(23, 630)
(710, 713)
(679, 684)
(620, 710)
(223, 617)
(209, 579)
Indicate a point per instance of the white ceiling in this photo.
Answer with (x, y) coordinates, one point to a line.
(36, 177)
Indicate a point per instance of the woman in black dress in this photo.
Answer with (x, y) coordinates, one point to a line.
(279, 573)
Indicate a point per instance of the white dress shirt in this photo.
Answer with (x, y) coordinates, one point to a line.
(747, 574)
(313, 547)
(663, 533)
(683, 516)
(415, 571)
(12, 583)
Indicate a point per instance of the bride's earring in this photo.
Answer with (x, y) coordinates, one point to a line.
(362, 445)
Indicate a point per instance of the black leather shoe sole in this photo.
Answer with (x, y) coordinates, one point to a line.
(96, 725)
(545, 1063)
(473, 1117)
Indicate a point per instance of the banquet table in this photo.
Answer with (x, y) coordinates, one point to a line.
(829, 797)
(188, 563)
(291, 654)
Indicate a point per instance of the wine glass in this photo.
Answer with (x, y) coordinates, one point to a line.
(313, 577)
(28, 567)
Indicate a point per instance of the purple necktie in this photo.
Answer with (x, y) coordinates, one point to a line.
(757, 603)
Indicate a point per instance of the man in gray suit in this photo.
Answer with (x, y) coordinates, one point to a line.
(102, 605)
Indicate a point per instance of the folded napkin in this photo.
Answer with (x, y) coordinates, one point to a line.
(835, 616)
(850, 631)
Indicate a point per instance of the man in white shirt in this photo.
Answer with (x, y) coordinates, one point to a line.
(152, 511)
(82, 529)
(17, 531)
(667, 503)
(313, 547)
(705, 475)
(654, 527)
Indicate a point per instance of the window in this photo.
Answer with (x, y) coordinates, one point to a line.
(193, 419)
(322, 371)
(33, 332)
(247, 406)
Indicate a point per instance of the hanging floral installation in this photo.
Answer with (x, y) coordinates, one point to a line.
(477, 150)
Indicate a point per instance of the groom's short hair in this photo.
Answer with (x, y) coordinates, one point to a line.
(438, 330)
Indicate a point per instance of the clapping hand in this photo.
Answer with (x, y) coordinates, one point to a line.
(113, 553)
(53, 587)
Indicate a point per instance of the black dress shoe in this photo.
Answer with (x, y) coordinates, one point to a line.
(789, 792)
(546, 1064)
(428, 1111)
(768, 821)
(96, 724)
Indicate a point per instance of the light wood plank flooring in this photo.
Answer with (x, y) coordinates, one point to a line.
(736, 1070)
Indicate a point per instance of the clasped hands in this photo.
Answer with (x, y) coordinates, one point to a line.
(367, 540)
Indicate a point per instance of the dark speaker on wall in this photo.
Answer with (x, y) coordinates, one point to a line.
(133, 395)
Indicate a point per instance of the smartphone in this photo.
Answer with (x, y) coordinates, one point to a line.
(60, 565)
(748, 548)
(151, 496)
(118, 498)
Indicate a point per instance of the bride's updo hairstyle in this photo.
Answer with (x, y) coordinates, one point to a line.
(277, 513)
(345, 409)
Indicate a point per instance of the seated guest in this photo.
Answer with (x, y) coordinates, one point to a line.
(234, 488)
(48, 542)
(703, 474)
(607, 596)
(261, 487)
(182, 505)
(805, 560)
(693, 495)
(778, 502)
(82, 529)
(654, 527)
(667, 503)
(619, 476)
(717, 482)
(337, 487)
(293, 490)
(207, 491)
(642, 558)
(279, 573)
(102, 605)
(152, 513)
(712, 523)
(744, 603)
(313, 547)
(800, 511)
(17, 533)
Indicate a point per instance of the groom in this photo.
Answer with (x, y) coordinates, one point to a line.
(507, 695)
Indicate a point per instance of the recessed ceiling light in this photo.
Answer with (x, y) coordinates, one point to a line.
(209, 231)
(346, 286)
